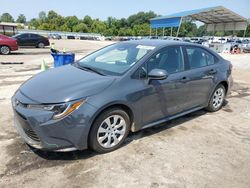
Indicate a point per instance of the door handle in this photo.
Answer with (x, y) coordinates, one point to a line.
(212, 71)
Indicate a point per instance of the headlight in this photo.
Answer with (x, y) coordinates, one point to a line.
(60, 110)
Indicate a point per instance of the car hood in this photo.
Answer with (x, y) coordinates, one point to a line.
(64, 84)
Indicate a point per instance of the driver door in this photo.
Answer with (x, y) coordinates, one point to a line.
(163, 98)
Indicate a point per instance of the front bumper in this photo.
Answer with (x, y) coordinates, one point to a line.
(40, 131)
(14, 48)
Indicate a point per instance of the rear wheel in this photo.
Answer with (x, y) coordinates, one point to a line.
(217, 99)
(5, 50)
(40, 45)
(109, 130)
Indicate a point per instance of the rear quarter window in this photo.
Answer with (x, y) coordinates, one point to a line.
(198, 57)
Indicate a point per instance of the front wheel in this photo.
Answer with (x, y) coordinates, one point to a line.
(217, 99)
(5, 50)
(109, 130)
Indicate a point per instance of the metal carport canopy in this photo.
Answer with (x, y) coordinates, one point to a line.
(217, 19)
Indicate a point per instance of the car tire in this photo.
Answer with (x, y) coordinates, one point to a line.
(217, 99)
(5, 50)
(109, 130)
(41, 45)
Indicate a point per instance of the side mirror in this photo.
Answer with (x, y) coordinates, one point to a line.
(157, 74)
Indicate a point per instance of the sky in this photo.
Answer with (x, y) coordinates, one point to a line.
(116, 8)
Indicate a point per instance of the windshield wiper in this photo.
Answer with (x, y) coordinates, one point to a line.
(86, 68)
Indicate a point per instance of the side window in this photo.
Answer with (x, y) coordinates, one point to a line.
(169, 59)
(198, 57)
(34, 36)
(24, 36)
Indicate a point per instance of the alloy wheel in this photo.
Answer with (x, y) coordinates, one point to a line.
(5, 50)
(40, 45)
(111, 131)
(218, 97)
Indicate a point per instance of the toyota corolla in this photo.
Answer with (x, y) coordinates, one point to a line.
(128, 86)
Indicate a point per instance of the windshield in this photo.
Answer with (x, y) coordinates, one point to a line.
(16, 35)
(115, 59)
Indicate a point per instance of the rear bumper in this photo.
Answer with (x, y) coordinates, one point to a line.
(39, 130)
(46, 43)
(230, 84)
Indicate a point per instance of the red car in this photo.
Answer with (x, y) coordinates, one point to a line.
(7, 44)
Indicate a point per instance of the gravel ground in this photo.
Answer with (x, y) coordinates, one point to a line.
(198, 150)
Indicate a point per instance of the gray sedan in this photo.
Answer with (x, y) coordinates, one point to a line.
(128, 86)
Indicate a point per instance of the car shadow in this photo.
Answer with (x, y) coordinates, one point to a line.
(85, 154)
(30, 53)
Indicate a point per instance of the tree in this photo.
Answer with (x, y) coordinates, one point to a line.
(88, 21)
(125, 32)
(6, 17)
(81, 27)
(142, 29)
(52, 15)
(187, 29)
(140, 18)
(98, 27)
(21, 19)
(33, 23)
(42, 16)
(202, 31)
(71, 21)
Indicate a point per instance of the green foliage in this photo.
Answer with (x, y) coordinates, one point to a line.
(71, 21)
(141, 29)
(140, 18)
(88, 21)
(21, 19)
(98, 27)
(81, 27)
(201, 31)
(42, 16)
(6, 17)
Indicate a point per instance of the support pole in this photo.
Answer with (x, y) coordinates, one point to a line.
(150, 32)
(156, 32)
(171, 31)
(214, 30)
(179, 28)
(163, 32)
(245, 33)
(234, 29)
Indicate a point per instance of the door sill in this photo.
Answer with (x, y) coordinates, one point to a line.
(172, 117)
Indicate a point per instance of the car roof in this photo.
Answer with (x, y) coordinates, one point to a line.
(158, 42)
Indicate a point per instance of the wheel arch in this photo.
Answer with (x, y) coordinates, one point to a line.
(120, 105)
(225, 84)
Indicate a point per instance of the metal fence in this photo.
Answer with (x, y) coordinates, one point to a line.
(63, 34)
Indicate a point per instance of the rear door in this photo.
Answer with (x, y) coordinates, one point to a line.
(34, 39)
(202, 73)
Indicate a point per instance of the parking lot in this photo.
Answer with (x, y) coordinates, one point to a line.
(198, 150)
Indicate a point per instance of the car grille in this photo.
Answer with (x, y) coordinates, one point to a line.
(26, 127)
(31, 134)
